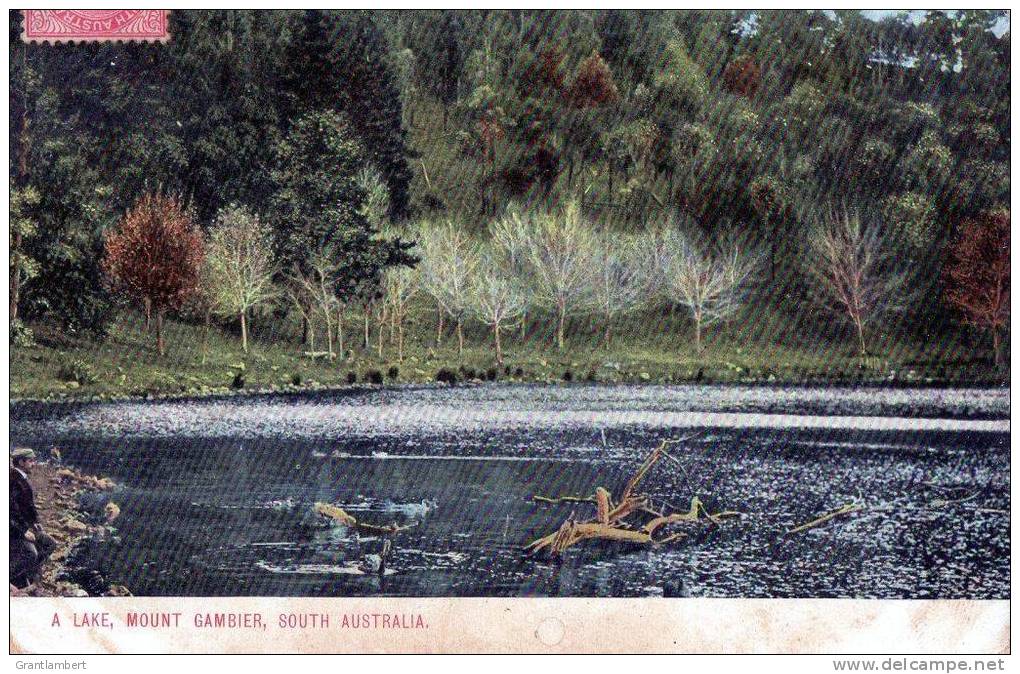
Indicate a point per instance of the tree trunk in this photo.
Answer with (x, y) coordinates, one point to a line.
(393, 322)
(159, 333)
(340, 331)
(997, 346)
(15, 275)
(697, 334)
(439, 330)
(367, 309)
(400, 338)
(382, 328)
(329, 333)
(561, 327)
(499, 345)
(23, 181)
(608, 333)
(147, 304)
(205, 336)
(860, 336)
(304, 329)
(244, 331)
(460, 336)
(524, 326)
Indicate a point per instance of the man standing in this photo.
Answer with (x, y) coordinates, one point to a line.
(30, 545)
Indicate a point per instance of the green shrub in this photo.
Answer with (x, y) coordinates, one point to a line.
(165, 382)
(21, 335)
(295, 379)
(373, 377)
(76, 369)
(446, 376)
(352, 378)
(393, 372)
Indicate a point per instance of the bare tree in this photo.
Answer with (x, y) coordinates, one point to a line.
(851, 271)
(400, 284)
(708, 281)
(512, 237)
(620, 276)
(496, 296)
(561, 260)
(316, 288)
(239, 265)
(449, 258)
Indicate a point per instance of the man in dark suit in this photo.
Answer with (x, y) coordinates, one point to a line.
(30, 545)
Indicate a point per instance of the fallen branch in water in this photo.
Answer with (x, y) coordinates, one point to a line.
(563, 499)
(610, 521)
(843, 510)
(341, 516)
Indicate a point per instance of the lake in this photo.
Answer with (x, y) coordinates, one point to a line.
(216, 494)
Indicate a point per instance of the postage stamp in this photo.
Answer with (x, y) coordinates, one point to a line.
(523, 331)
(92, 25)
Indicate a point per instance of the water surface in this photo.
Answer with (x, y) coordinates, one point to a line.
(216, 494)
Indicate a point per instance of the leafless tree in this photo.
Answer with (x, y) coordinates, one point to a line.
(449, 257)
(561, 256)
(497, 298)
(619, 276)
(400, 284)
(239, 267)
(851, 271)
(314, 291)
(512, 237)
(708, 280)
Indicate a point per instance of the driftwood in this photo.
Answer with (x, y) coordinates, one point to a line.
(341, 516)
(610, 522)
(822, 519)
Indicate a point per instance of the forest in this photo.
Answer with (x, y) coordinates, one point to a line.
(323, 196)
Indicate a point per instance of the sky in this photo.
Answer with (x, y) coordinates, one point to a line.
(917, 14)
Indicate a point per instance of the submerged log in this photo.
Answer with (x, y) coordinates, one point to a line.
(341, 516)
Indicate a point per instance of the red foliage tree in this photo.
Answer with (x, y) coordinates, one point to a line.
(593, 85)
(154, 255)
(490, 133)
(742, 76)
(977, 272)
(544, 75)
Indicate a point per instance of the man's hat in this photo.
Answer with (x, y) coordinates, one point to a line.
(22, 453)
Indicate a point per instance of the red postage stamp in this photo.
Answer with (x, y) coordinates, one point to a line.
(91, 25)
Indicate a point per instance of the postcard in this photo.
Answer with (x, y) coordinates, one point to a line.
(510, 331)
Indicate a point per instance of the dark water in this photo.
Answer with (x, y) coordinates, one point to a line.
(216, 496)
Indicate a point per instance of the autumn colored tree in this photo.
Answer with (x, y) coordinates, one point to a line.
(977, 283)
(742, 76)
(593, 85)
(154, 255)
(851, 271)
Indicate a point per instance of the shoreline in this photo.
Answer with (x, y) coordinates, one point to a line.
(63, 397)
(58, 491)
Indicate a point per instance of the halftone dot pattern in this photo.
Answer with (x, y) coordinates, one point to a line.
(217, 495)
(210, 511)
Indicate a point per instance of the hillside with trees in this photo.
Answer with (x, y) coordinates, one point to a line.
(274, 198)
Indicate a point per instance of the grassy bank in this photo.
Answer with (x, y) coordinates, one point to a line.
(652, 349)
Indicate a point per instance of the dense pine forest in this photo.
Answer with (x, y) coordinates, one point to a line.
(278, 198)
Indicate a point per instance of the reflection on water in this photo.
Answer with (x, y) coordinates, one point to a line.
(231, 514)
